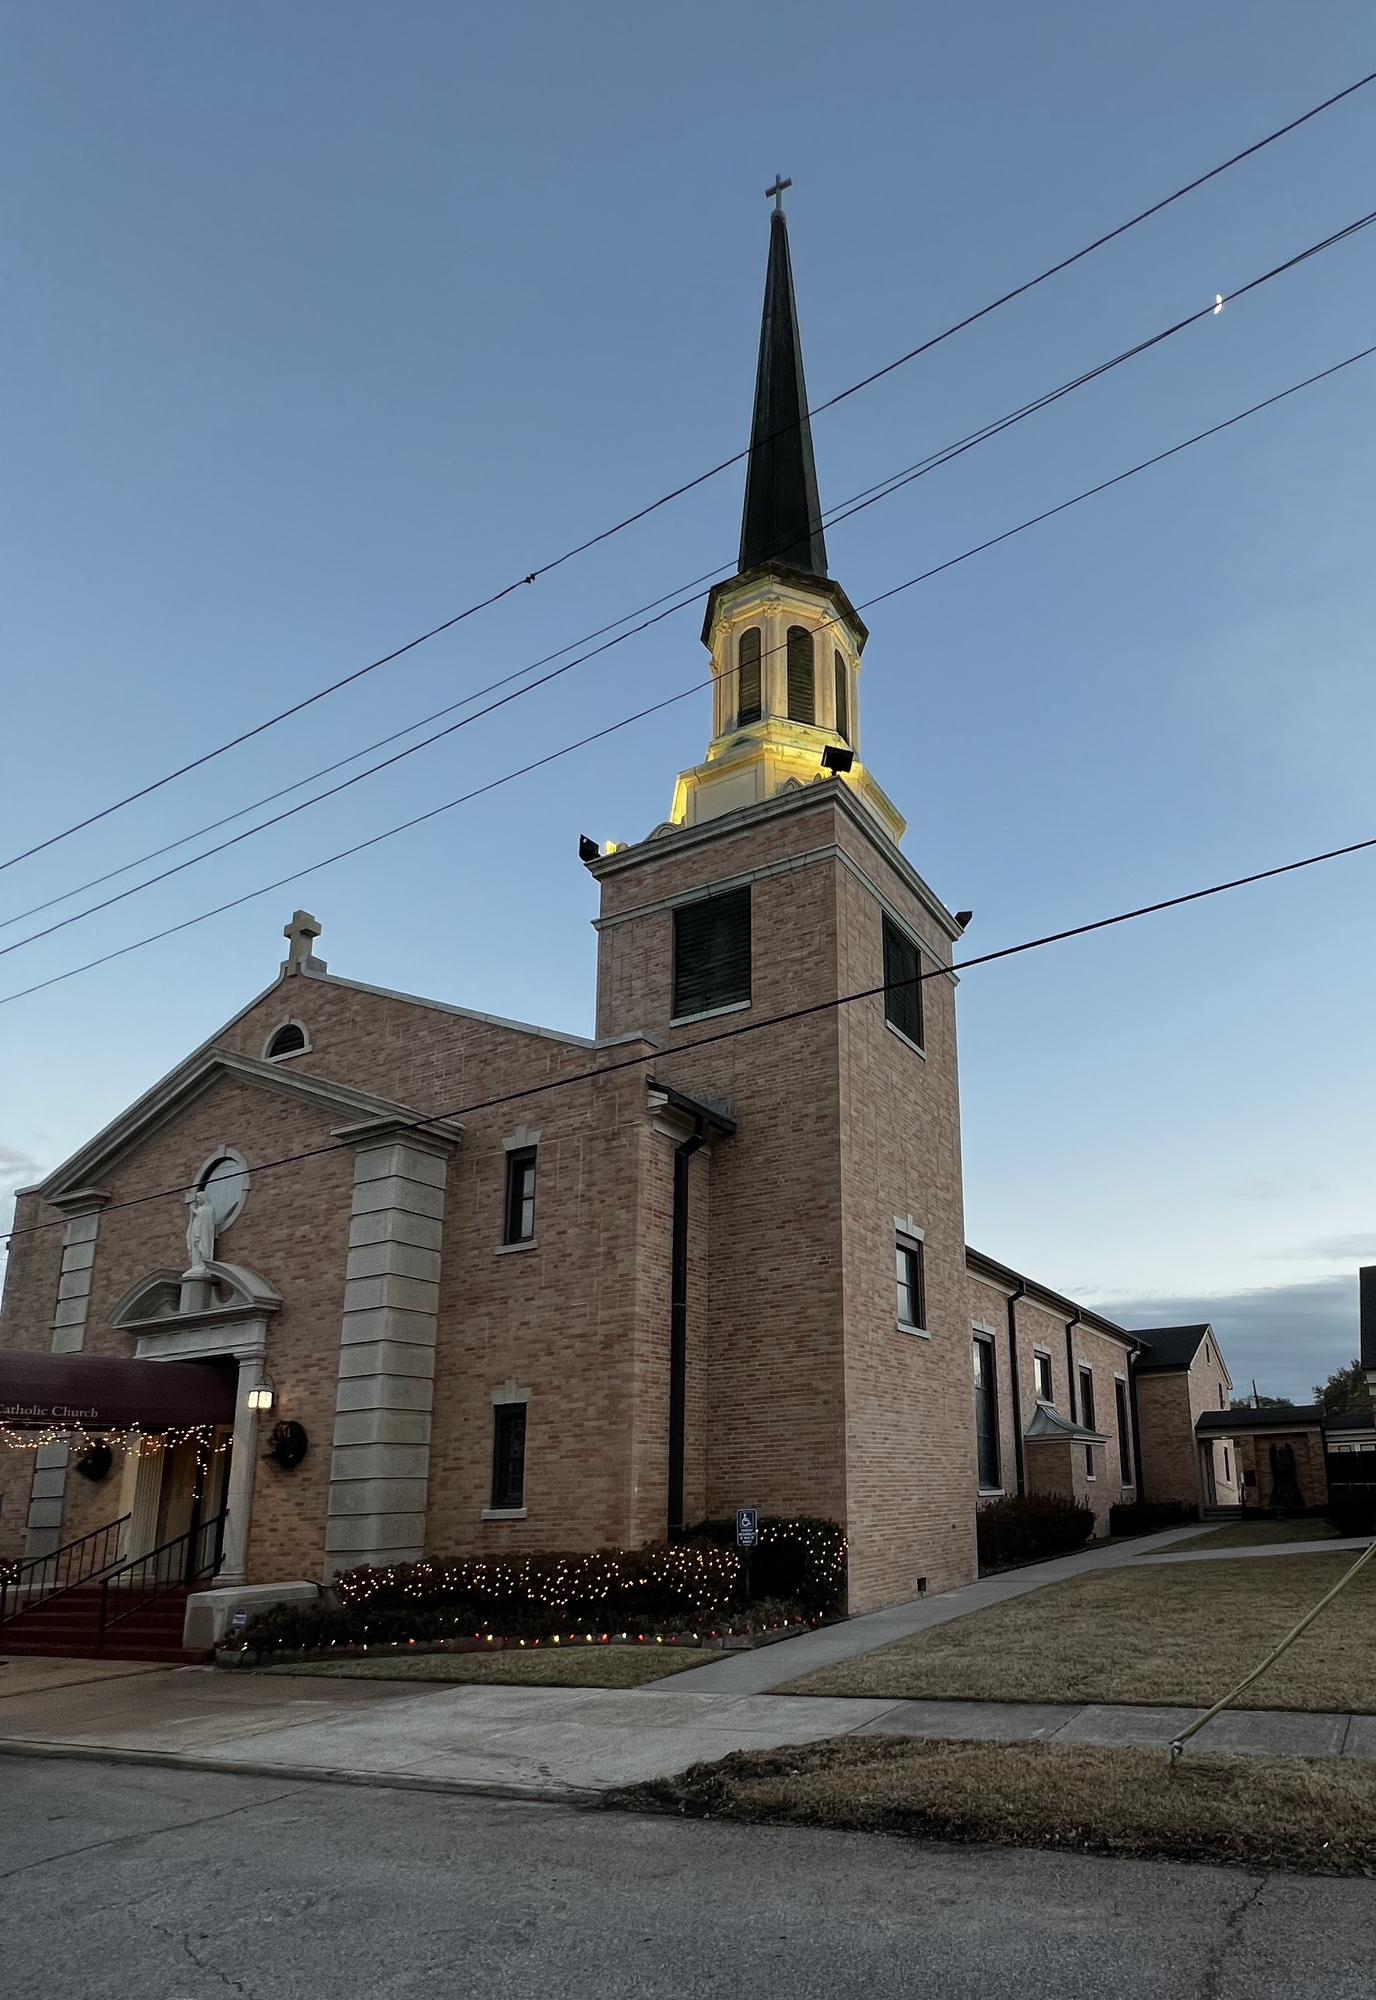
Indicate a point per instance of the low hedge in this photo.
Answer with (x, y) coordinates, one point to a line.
(1148, 1517)
(664, 1587)
(1026, 1526)
(801, 1558)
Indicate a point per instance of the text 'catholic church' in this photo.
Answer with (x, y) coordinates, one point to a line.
(649, 1277)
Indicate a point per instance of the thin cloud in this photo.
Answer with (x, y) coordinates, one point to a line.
(1288, 1336)
(1334, 1249)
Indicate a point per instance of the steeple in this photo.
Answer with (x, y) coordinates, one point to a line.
(782, 521)
(785, 639)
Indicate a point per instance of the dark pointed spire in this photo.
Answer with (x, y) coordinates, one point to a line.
(782, 522)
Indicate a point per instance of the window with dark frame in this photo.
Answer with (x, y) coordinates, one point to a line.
(1227, 1466)
(520, 1196)
(508, 1457)
(1042, 1364)
(842, 697)
(1087, 1413)
(912, 1284)
(748, 707)
(986, 1414)
(802, 689)
(289, 1040)
(1120, 1393)
(712, 953)
(902, 983)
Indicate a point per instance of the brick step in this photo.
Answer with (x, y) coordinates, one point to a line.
(67, 1626)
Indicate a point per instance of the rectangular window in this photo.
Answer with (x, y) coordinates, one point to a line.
(902, 983)
(1227, 1468)
(986, 1415)
(520, 1196)
(1221, 1403)
(712, 953)
(842, 698)
(912, 1284)
(1087, 1413)
(1042, 1364)
(1120, 1395)
(508, 1456)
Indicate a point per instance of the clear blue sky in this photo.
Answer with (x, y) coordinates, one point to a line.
(320, 320)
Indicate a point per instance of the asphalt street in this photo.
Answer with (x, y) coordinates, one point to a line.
(185, 1885)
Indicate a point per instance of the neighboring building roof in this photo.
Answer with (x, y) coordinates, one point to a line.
(1049, 1425)
(782, 518)
(1171, 1346)
(1228, 1423)
(1350, 1420)
(1016, 1281)
(1366, 1279)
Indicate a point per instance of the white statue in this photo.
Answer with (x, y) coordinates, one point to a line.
(200, 1232)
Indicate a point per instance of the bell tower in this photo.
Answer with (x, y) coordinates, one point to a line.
(785, 640)
(806, 1341)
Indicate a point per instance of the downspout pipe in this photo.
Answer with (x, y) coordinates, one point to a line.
(1011, 1307)
(678, 1320)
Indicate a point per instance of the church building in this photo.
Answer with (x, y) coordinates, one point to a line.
(527, 1291)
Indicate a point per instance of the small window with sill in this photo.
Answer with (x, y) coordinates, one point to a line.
(912, 1284)
(508, 1457)
(712, 954)
(1042, 1366)
(902, 983)
(520, 1196)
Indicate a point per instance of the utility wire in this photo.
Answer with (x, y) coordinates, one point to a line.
(677, 492)
(654, 708)
(870, 497)
(792, 1014)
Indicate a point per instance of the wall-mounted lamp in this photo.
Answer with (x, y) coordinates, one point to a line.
(588, 850)
(836, 760)
(261, 1398)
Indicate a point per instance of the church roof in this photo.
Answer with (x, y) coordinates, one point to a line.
(1170, 1346)
(782, 520)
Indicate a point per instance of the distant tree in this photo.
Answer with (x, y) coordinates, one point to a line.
(1264, 1403)
(1344, 1391)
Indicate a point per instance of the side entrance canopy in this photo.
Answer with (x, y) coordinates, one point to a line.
(94, 1392)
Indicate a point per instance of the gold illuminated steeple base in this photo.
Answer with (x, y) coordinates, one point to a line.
(765, 758)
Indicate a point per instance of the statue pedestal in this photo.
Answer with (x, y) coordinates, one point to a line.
(197, 1292)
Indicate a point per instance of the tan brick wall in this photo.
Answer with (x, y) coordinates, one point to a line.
(816, 1402)
(1052, 1467)
(1254, 1455)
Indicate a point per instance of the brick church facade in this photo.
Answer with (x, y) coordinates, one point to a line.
(533, 1291)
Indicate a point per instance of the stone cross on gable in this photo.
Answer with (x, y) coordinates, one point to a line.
(300, 935)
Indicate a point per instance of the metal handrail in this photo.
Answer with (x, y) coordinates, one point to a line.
(174, 1566)
(23, 1581)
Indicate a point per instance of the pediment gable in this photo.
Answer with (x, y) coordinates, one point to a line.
(160, 1106)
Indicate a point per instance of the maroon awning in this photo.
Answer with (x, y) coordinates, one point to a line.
(101, 1392)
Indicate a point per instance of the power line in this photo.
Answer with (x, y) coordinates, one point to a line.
(871, 496)
(654, 708)
(790, 1015)
(688, 486)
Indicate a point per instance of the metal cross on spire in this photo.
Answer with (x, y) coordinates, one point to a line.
(777, 192)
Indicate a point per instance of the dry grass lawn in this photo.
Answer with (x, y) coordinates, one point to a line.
(1238, 1811)
(551, 1666)
(1164, 1633)
(1258, 1534)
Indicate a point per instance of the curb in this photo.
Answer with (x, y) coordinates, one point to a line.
(310, 1774)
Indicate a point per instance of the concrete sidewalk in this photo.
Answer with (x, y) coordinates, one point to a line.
(555, 1742)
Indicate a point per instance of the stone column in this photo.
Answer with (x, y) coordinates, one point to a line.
(48, 1495)
(379, 1471)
